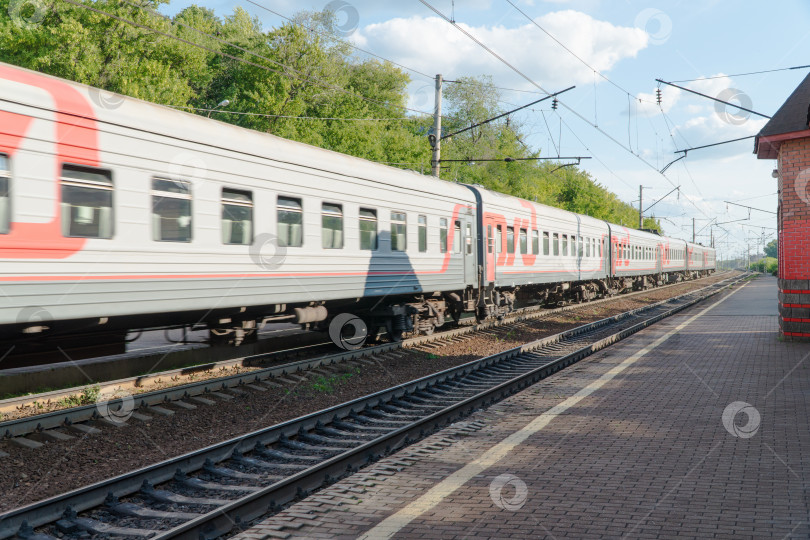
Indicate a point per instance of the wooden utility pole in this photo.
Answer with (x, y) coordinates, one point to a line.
(437, 128)
(640, 215)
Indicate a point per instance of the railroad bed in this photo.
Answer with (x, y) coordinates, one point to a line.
(208, 491)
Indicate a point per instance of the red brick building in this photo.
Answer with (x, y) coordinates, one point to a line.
(786, 138)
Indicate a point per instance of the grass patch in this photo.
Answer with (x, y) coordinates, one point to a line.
(90, 394)
(328, 384)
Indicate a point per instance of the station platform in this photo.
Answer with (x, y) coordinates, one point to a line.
(694, 427)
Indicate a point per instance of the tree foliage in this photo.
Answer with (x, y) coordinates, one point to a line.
(771, 249)
(293, 81)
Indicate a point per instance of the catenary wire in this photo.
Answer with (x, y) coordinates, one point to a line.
(575, 55)
(570, 109)
(742, 74)
(223, 111)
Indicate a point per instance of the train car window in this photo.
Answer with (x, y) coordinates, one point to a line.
(587, 247)
(422, 234)
(87, 210)
(5, 199)
(498, 238)
(290, 216)
(468, 239)
(510, 239)
(331, 226)
(171, 210)
(457, 237)
(565, 245)
(556, 244)
(601, 243)
(535, 242)
(524, 241)
(443, 235)
(581, 250)
(399, 235)
(545, 243)
(237, 217)
(368, 229)
(490, 240)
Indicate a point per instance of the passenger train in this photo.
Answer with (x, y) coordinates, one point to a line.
(118, 214)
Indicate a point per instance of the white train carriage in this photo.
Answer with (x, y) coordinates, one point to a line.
(700, 259)
(120, 213)
(634, 252)
(542, 249)
(673, 255)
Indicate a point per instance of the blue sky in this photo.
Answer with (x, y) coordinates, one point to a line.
(631, 43)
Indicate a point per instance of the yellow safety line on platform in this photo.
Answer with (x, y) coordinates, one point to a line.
(394, 523)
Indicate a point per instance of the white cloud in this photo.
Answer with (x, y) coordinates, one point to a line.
(431, 45)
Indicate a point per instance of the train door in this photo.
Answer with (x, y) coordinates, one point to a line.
(659, 257)
(489, 249)
(468, 249)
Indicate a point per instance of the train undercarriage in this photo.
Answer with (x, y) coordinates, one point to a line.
(422, 315)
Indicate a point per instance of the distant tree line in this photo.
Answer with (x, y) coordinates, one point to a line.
(279, 75)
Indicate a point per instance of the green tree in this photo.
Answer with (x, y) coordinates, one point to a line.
(771, 249)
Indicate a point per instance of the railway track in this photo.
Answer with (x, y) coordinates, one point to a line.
(207, 493)
(128, 394)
